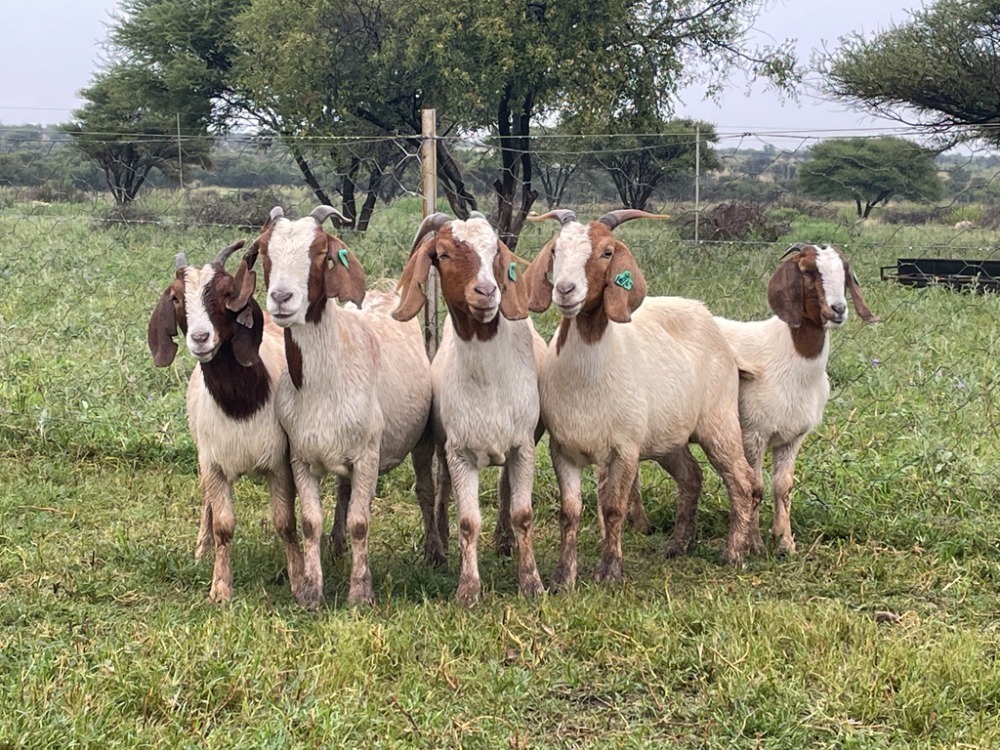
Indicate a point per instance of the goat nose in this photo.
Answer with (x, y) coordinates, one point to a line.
(201, 337)
(485, 290)
(565, 287)
(839, 308)
(281, 297)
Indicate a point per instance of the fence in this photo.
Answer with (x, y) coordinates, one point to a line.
(914, 397)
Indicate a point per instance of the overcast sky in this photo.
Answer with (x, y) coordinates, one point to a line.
(52, 48)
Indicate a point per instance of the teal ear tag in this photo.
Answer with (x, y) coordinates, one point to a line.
(342, 254)
(512, 271)
(624, 280)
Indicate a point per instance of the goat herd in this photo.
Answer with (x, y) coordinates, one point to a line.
(348, 389)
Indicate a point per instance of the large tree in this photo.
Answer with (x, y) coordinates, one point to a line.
(870, 171)
(126, 130)
(939, 70)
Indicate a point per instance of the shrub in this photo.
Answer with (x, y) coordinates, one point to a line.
(735, 221)
(242, 209)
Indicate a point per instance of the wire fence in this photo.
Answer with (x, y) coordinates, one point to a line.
(914, 397)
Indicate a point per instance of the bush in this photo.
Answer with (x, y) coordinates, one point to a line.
(735, 221)
(130, 213)
(242, 209)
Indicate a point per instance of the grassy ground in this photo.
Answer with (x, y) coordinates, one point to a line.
(881, 632)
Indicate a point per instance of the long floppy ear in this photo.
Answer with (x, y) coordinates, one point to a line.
(854, 288)
(536, 279)
(784, 292)
(161, 331)
(625, 288)
(513, 300)
(345, 278)
(415, 273)
(244, 282)
(248, 332)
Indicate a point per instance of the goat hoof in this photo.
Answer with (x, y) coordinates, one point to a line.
(503, 545)
(640, 524)
(732, 557)
(220, 593)
(434, 554)
(361, 593)
(309, 596)
(757, 546)
(468, 592)
(678, 547)
(610, 570)
(563, 578)
(530, 585)
(786, 546)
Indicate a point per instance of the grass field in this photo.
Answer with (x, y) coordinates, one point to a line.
(881, 632)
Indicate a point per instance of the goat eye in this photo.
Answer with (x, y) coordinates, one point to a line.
(443, 256)
(607, 253)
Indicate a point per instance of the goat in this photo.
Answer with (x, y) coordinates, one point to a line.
(230, 401)
(621, 383)
(485, 378)
(357, 396)
(784, 400)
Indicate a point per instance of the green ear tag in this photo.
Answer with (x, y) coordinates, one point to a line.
(512, 271)
(624, 280)
(342, 254)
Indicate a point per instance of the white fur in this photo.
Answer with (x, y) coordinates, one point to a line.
(830, 266)
(195, 282)
(363, 405)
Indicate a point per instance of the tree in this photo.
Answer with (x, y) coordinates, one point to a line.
(642, 155)
(123, 128)
(870, 170)
(939, 70)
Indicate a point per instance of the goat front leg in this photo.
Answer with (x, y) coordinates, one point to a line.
(282, 487)
(520, 471)
(686, 473)
(218, 494)
(637, 518)
(782, 478)
(307, 486)
(613, 507)
(568, 476)
(423, 473)
(206, 540)
(364, 478)
(465, 480)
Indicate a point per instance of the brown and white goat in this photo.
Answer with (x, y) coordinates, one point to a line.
(485, 377)
(357, 397)
(230, 401)
(621, 383)
(784, 400)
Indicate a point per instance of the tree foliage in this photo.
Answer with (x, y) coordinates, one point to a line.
(124, 128)
(940, 70)
(871, 172)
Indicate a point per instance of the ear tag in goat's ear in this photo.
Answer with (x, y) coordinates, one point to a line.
(342, 254)
(624, 280)
(245, 318)
(512, 271)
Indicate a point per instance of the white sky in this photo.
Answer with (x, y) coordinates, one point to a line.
(52, 48)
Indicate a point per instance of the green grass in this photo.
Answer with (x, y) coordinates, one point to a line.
(107, 637)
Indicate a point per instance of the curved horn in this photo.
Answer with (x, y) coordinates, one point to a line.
(322, 213)
(431, 223)
(477, 215)
(276, 213)
(564, 215)
(180, 262)
(223, 256)
(613, 218)
(794, 249)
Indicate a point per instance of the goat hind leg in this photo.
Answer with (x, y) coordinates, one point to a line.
(686, 473)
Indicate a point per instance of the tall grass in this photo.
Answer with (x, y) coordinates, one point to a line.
(881, 632)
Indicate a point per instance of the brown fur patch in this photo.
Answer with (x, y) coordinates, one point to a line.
(294, 356)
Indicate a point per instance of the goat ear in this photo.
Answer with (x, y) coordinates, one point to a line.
(784, 292)
(854, 288)
(625, 288)
(536, 279)
(411, 282)
(248, 332)
(161, 331)
(513, 300)
(345, 278)
(244, 282)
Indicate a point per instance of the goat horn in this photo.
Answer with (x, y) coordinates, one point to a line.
(477, 215)
(223, 256)
(613, 218)
(794, 249)
(180, 261)
(322, 213)
(564, 215)
(431, 223)
(276, 213)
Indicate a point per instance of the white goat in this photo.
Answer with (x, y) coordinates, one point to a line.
(357, 396)
(784, 400)
(621, 384)
(485, 378)
(230, 401)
